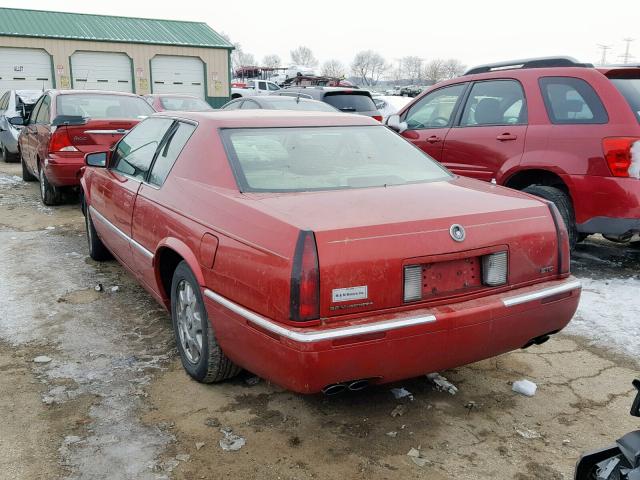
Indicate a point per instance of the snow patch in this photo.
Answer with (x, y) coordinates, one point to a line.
(525, 387)
(10, 180)
(608, 314)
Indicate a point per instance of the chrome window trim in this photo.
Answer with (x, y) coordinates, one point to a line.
(117, 231)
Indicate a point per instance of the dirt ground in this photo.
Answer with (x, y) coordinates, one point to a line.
(111, 401)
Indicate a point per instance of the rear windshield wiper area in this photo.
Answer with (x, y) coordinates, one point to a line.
(348, 109)
(69, 120)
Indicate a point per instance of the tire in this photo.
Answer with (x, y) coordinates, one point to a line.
(189, 318)
(50, 194)
(97, 250)
(26, 174)
(564, 206)
(4, 155)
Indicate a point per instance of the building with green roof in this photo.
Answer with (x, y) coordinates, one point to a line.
(43, 49)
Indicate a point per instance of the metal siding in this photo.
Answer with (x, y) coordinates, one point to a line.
(24, 69)
(101, 71)
(78, 26)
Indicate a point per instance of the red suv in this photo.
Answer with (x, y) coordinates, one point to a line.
(553, 127)
(64, 126)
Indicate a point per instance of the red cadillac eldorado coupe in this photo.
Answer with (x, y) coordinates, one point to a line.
(322, 251)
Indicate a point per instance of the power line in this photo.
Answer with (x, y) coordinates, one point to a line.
(626, 56)
(604, 48)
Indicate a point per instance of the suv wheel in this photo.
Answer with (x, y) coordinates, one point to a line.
(562, 203)
(201, 355)
(50, 194)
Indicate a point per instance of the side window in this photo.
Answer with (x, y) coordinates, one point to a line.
(178, 137)
(135, 152)
(34, 112)
(249, 105)
(495, 102)
(435, 109)
(571, 100)
(273, 87)
(4, 101)
(45, 110)
(262, 85)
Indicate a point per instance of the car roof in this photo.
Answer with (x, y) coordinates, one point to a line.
(270, 118)
(281, 98)
(180, 95)
(92, 92)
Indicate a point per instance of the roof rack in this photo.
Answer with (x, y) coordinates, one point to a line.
(542, 62)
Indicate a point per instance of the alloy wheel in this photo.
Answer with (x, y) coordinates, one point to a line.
(189, 322)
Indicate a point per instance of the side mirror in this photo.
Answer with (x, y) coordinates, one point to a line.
(16, 121)
(635, 408)
(394, 123)
(96, 159)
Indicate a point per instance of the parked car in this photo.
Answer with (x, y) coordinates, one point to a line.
(13, 104)
(389, 104)
(173, 102)
(66, 124)
(344, 99)
(553, 127)
(273, 102)
(254, 87)
(323, 252)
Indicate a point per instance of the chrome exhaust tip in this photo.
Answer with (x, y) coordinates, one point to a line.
(334, 389)
(358, 385)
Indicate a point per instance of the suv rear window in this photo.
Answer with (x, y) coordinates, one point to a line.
(571, 101)
(350, 101)
(100, 106)
(630, 90)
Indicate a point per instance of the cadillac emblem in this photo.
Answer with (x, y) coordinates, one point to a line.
(457, 232)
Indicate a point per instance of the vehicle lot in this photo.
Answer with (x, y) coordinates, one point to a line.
(114, 401)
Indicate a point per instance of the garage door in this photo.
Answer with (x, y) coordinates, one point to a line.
(24, 69)
(101, 71)
(174, 74)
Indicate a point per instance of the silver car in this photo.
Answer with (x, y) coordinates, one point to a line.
(14, 103)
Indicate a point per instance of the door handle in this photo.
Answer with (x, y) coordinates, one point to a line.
(506, 137)
(434, 139)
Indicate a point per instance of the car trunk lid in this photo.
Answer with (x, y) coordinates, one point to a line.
(97, 133)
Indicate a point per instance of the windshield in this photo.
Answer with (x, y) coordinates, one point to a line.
(185, 104)
(350, 102)
(630, 89)
(325, 158)
(101, 106)
(307, 105)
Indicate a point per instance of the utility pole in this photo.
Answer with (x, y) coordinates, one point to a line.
(604, 48)
(627, 56)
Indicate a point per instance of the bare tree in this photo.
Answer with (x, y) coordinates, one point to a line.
(333, 68)
(271, 61)
(452, 68)
(238, 56)
(434, 70)
(246, 60)
(412, 69)
(303, 56)
(369, 66)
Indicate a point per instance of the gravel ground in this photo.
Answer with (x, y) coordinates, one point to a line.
(108, 399)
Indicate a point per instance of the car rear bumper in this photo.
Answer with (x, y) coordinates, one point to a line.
(64, 171)
(389, 347)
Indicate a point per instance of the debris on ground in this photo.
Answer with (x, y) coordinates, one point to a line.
(251, 381)
(470, 405)
(416, 457)
(199, 445)
(400, 393)
(50, 227)
(398, 411)
(441, 383)
(391, 434)
(525, 387)
(231, 442)
(115, 288)
(212, 422)
(183, 457)
(42, 359)
(566, 441)
(527, 433)
(98, 287)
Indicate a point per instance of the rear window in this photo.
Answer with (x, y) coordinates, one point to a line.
(101, 106)
(630, 90)
(350, 102)
(571, 101)
(186, 104)
(309, 106)
(325, 158)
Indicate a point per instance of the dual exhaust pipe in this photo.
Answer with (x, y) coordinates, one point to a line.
(338, 388)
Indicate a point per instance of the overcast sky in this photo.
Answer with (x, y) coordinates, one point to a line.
(475, 32)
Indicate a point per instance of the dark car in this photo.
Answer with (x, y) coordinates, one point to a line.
(14, 104)
(272, 102)
(65, 125)
(347, 100)
(162, 102)
(553, 127)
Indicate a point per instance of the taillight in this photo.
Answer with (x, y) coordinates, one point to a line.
(619, 152)
(305, 279)
(495, 267)
(377, 117)
(60, 141)
(564, 260)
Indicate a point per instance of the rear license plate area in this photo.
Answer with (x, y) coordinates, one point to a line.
(451, 277)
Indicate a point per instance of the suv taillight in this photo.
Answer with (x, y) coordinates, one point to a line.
(305, 279)
(619, 154)
(60, 141)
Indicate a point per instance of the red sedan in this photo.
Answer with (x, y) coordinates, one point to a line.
(322, 251)
(66, 124)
